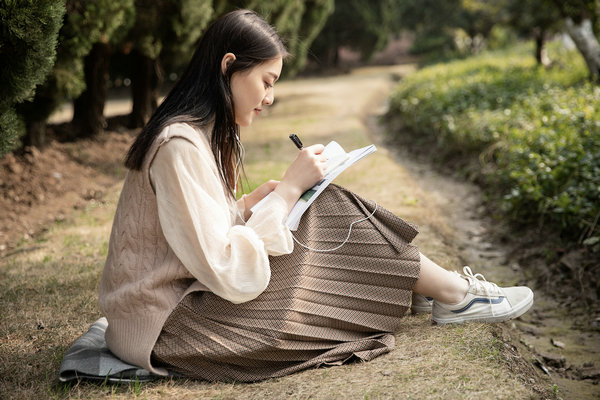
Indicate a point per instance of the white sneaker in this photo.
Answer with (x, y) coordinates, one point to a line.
(484, 302)
(421, 304)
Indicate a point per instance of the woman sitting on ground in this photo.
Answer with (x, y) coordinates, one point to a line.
(202, 284)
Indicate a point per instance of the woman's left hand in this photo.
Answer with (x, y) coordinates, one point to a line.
(257, 195)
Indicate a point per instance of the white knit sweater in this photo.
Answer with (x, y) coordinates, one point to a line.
(176, 231)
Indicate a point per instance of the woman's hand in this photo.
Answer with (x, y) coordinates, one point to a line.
(306, 171)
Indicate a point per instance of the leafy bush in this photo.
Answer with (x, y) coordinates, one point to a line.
(535, 130)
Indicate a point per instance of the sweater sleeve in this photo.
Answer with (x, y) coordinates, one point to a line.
(194, 213)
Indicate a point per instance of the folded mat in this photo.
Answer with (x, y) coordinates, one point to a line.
(89, 358)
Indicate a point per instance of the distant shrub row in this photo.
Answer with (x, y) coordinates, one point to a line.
(535, 132)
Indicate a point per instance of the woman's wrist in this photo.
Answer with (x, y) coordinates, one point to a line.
(289, 193)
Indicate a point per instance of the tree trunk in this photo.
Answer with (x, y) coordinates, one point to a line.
(539, 48)
(146, 81)
(36, 134)
(587, 44)
(334, 57)
(35, 113)
(88, 108)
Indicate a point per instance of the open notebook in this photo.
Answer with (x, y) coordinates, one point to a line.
(337, 162)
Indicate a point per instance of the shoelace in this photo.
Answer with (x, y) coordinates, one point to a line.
(480, 282)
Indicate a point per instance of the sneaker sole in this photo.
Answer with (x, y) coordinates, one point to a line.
(513, 313)
(421, 310)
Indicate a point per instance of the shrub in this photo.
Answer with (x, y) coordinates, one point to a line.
(28, 37)
(537, 129)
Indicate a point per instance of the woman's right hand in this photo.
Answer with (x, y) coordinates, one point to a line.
(306, 171)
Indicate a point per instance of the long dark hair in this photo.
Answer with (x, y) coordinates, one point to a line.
(203, 94)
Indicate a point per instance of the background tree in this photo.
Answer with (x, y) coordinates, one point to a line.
(362, 25)
(164, 31)
(28, 37)
(433, 23)
(84, 24)
(477, 18)
(529, 20)
(580, 18)
(297, 21)
(114, 17)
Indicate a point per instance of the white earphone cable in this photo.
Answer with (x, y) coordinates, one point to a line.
(296, 240)
(344, 242)
(238, 162)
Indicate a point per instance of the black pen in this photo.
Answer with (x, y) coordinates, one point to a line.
(296, 141)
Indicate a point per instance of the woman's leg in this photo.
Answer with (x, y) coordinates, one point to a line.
(440, 284)
(459, 298)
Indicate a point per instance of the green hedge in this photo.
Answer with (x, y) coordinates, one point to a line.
(535, 132)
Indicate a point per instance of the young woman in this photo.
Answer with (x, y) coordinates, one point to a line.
(196, 283)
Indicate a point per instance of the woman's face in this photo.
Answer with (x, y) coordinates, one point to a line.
(253, 89)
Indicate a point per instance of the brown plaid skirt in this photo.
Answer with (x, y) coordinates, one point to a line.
(320, 308)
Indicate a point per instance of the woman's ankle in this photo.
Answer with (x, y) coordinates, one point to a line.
(455, 293)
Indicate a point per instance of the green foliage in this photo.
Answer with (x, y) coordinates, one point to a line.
(529, 19)
(186, 26)
(169, 28)
(11, 128)
(29, 31)
(86, 22)
(28, 45)
(298, 22)
(362, 25)
(298, 40)
(577, 9)
(478, 17)
(537, 131)
(433, 23)
(501, 37)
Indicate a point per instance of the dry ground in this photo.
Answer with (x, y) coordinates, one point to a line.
(51, 261)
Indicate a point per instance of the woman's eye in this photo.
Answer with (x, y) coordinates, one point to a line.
(268, 85)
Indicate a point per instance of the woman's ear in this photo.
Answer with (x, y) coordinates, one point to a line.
(226, 61)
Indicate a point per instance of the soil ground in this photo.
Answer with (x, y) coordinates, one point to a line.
(58, 206)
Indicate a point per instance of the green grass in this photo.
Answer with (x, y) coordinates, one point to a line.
(531, 134)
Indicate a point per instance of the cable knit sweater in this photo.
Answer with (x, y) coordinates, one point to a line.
(177, 231)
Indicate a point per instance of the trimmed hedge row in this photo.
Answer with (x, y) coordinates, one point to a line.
(535, 131)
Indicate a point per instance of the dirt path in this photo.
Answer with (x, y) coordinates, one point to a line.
(48, 284)
(564, 340)
(564, 343)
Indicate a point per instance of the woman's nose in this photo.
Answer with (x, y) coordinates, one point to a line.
(269, 98)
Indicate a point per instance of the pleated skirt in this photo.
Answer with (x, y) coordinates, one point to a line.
(320, 308)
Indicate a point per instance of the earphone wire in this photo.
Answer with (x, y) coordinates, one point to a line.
(237, 172)
(344, 242)
(242, 153)
(238, 162)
